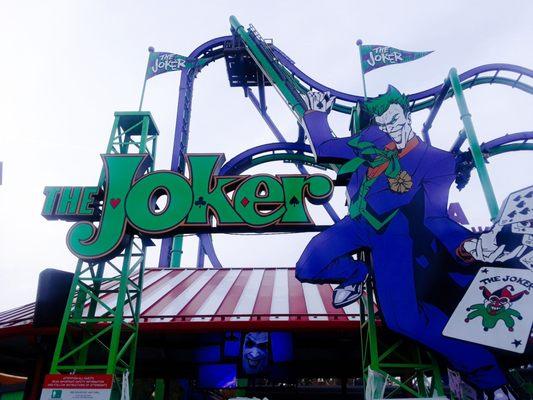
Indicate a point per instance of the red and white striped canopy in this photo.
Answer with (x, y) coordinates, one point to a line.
(226, 298)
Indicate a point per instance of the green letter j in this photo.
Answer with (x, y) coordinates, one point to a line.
(86, 241)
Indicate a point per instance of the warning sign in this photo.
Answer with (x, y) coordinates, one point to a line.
(70, 387)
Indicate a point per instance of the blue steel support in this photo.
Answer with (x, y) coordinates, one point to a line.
(181, 131)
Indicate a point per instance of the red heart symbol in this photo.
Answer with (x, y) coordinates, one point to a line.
(114, 202)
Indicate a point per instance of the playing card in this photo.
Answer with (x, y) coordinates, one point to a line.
(496, 311)
(527, 260)
(517, 207)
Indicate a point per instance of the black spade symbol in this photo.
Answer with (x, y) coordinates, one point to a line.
(294, 201)
(200, 202)
(517, 198)
(529, 194)
(525, 211)
(521, 204)
(511, 214)
(320, 104)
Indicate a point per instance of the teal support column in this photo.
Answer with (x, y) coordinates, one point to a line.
(479, 160)
(176, 252)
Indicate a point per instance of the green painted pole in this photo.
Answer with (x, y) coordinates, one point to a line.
(136, 317)
(144, 134)
(272, 75)
(119, 311)
(479, 160)
(109, 149)
(153, 153)
(511, 147)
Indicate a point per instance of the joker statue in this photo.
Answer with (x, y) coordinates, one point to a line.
(395, 182)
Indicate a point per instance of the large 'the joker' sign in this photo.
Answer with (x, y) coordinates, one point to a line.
(129, 203)
(397, 187)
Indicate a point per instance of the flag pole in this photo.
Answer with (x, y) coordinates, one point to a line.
(359, 44)
(150, 51)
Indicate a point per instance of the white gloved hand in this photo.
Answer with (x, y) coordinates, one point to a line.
(318, 101)
(485, 248)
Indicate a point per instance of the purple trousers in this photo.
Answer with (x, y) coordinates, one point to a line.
(326, 259)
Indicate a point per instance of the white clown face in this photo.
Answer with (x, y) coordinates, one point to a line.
(397, 124)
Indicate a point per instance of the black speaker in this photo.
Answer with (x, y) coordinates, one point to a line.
(52, 295)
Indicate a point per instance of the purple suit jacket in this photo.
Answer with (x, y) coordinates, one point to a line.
(432, 171)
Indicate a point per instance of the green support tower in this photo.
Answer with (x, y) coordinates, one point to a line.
(99, 330)
(390, 360)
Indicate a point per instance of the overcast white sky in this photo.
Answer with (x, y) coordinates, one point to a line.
(68, 65)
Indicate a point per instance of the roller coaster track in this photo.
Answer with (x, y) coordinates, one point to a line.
(291, 82)
(484, 74)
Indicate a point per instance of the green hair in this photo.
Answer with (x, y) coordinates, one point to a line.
(378, 105)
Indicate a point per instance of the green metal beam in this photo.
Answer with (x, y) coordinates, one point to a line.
(176, 252)
(479, 160)
(510, 147)
(95, 336)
